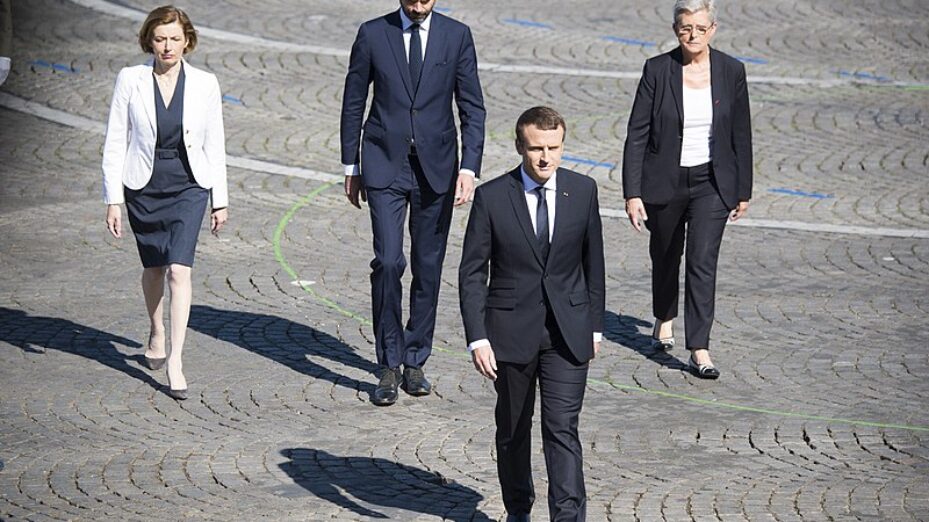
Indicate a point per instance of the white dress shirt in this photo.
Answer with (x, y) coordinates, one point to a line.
(532, 202)
(352, 170)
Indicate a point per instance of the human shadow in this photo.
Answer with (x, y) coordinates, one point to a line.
(380, 483)
(37, 334)
(624, 331)
(283, 341)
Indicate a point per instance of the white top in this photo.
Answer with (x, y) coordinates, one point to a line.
(698, 126)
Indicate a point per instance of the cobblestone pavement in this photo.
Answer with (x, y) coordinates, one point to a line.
(821, 411)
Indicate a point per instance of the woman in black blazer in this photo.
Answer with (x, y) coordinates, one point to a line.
(687, 167)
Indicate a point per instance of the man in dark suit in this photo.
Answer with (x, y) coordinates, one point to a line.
(420, 62)
(540, 317)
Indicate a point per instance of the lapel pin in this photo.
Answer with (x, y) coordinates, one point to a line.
(565, 194)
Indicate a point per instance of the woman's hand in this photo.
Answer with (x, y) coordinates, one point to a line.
(114, 220)
(635, 209)
(739, 211)
(218, 218)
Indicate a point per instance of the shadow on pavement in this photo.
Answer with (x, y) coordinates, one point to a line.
(283, 341)
(380, 483)
(36, 334)
(624, 331)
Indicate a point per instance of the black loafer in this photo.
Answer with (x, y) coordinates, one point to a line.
(704, 371)
(415, 383)
(664, 345)
(386, 392)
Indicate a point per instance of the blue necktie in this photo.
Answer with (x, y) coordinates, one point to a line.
(541, 221)
(416, 56)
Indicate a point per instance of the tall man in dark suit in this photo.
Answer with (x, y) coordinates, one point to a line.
(420, 62)
(538, 231)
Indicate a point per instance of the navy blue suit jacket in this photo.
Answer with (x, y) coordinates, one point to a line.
(399, 115)
(652, 154)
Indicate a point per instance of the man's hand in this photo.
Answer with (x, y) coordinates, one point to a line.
(485, 362)
(596, 349)
(354, 189)
(464, 189)
(218, 218)
(114, 221)
(635, 209)
(739, 211)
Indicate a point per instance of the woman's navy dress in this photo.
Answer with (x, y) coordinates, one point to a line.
(167, 213)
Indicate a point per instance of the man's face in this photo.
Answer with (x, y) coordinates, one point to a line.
(541, 151)
(417, 10)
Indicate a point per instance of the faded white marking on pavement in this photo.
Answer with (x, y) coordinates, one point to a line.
(113, 9)
(80, 122)
(86, 124)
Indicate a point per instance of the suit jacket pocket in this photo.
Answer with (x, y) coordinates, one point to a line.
(579, 298)
(502, 294)
(374, 132)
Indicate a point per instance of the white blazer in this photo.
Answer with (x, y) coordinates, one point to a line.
(131, 133)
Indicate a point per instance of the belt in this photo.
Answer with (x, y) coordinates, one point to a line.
(167, 153)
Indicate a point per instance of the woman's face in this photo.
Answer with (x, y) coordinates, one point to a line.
(169, 42)
(694, 31)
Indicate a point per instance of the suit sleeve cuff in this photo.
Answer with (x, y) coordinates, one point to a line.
(469, 172)
(351, 170)
(598, 336)
(480, 343)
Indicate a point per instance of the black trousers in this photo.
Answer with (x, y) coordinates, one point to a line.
(562, 381)
(696, 217)
(430, 217)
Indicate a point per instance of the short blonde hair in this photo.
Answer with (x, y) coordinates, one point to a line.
(167, 14)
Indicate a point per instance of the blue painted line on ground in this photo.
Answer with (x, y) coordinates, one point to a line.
(55, 66)
(858, 75)
(749, 59)
(527, 23)
(628, 41)
(585, 161)
(232, 99)
(442, 9)
(792, 192)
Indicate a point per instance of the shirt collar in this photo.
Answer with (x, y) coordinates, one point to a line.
(405, 20)
(530, 184)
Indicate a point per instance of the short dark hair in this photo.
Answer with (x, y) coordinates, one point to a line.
(543, 118)
(166, 14)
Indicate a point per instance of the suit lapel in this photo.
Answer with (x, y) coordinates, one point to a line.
(518, 199)
(435, 48)
(676, 79)
(562, 208)
(146, 86)
(717, 84)
(394, 34)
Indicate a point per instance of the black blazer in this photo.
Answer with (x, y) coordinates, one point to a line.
(511, 310)
(652, 154)
(398, 113)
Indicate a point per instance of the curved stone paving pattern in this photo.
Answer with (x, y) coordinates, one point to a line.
(820, 414)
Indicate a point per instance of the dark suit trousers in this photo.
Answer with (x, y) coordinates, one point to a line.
(430, 216)
(697, 211)
(562, 381)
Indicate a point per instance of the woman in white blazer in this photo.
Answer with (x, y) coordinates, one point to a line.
(163, 158)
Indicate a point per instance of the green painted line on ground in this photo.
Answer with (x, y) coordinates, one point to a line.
(279, 255)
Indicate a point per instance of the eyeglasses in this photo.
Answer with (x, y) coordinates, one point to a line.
(699, 30)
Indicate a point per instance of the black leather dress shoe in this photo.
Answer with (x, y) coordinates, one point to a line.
(415, 383)
(517, 517)
(386, 392)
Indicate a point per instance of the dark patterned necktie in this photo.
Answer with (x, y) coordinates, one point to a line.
(541, 221)
(416, 56)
